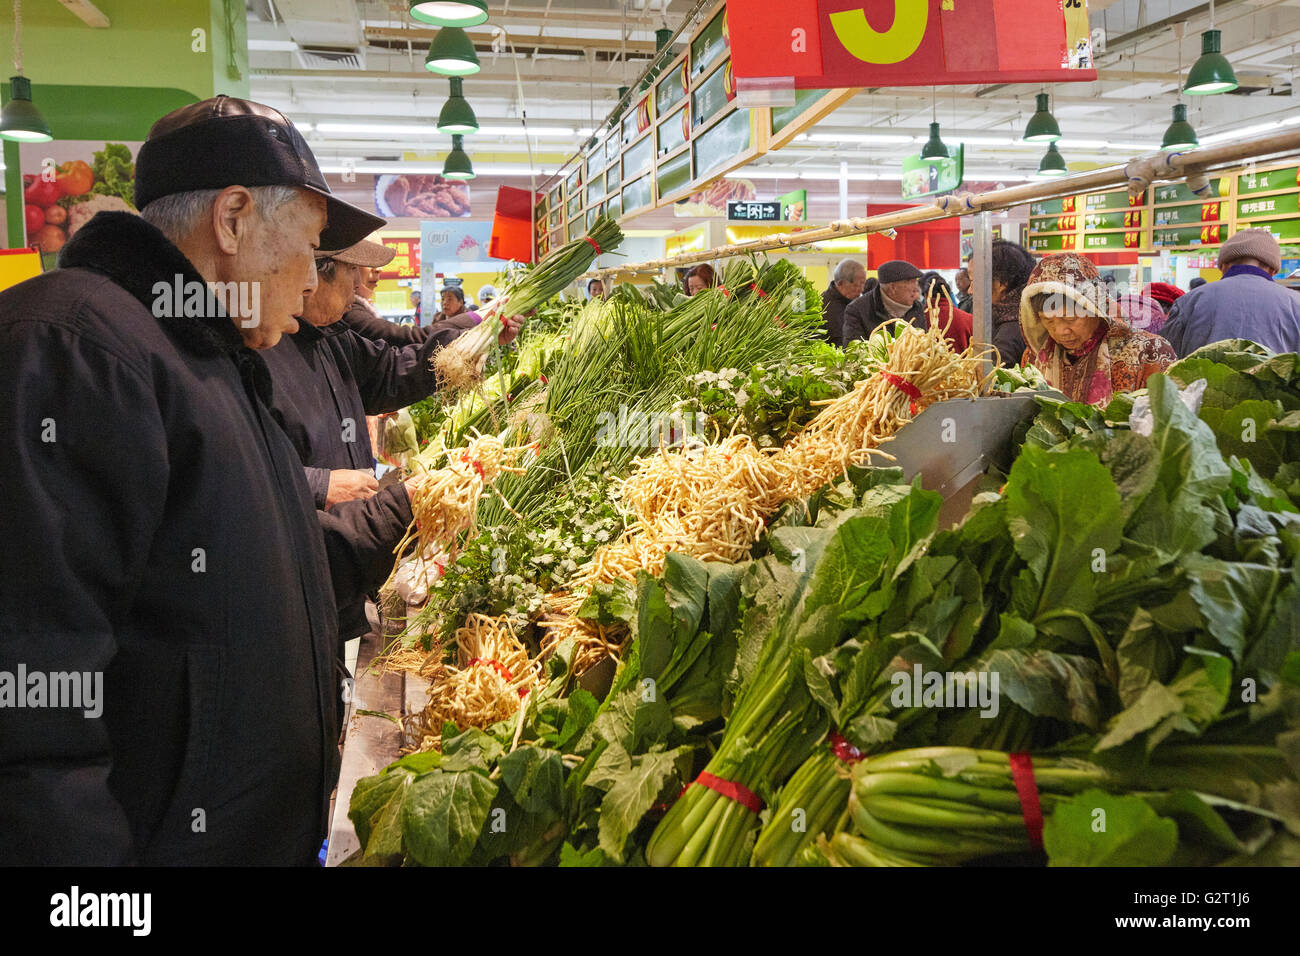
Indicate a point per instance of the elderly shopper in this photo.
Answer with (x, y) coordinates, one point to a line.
(164, 535)
(957, 324)
(1075, 335)
(847, 283)
(326, 380)
(1245, 304)
(897, 295)
(700, 278)
(1012, 264)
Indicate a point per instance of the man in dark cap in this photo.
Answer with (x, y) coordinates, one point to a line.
(897, 295)
(171, 553)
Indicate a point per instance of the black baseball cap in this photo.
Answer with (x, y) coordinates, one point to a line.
(226, 141)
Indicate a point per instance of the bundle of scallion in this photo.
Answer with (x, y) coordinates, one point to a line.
(1189, 804)
(459, 365)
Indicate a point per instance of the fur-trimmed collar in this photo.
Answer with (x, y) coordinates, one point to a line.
(137, 257)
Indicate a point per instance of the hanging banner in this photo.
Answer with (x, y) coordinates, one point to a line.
(820, 44)
(932, 177)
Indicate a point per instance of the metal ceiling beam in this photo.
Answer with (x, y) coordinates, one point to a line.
(483, 35)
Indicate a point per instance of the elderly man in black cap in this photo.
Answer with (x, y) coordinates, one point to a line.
(897, 295)
(165, 546)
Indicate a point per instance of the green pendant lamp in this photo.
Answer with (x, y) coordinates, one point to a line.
(1180, 134)
(934, 147)
(1042, 126)
(457, 164)
(452, 53)
(450, 13)
(21, 121)
(457, 115)
(1212, 73)
(1053, 163)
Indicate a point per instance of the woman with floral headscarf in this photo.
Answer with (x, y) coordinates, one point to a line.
(1074, 334)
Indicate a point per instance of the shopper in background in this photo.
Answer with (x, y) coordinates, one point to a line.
(1164, 294)
(453, 316)
(162, 534)
(486, 295)
(847, 283)
(595, 289)
(956, 323)
(416, 299)
(1141, 312)
(1195, 283)
(897, 295)
(700, 278)
(1012, 265)
(1245, 304)
(1076, 337)
(965, 298)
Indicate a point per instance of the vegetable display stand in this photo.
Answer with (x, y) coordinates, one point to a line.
(951, 445)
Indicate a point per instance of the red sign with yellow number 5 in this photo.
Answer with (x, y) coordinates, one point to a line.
(821, 44)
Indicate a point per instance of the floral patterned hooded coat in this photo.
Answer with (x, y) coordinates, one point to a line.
(1119, 358)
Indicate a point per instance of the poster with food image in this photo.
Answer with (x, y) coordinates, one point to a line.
(67, 182)
(713, 199)
(421, 196)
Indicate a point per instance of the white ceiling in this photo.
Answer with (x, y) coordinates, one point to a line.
(572, 55)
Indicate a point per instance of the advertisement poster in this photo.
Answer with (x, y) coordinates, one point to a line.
(421, 196)
(66, 182)
(932, 177)
(822, 44)
(406, 264)
(713, 199)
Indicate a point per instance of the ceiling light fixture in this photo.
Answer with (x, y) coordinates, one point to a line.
(457, 165)
(457, 116)
(1042, 126)
(1212, 73)
(21, 121)
(452, 53)
(1053, 163)
(1180, 134)
(450, 13)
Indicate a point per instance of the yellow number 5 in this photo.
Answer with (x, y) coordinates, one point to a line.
(894, 45)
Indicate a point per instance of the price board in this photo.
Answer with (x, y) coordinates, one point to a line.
(1273, 180)
(1178, 192)
(1054, 224)
(1113, 200)
(1112, 241)
(1285, 231)
(1287, 204)
(1126, 219)
(1191, 213)
(1060, 243)
(1210, 235)
(1055, 207)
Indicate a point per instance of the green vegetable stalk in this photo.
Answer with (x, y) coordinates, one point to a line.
(767, 736)
(810, 804)
(459, 363)
(943, 806)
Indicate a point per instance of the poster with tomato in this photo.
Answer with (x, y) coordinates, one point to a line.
(65, 183)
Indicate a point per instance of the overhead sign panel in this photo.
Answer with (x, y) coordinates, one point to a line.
(820, 44)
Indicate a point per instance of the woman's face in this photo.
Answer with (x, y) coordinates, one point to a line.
(1072, 330)
(451, 303)
(695, 284)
